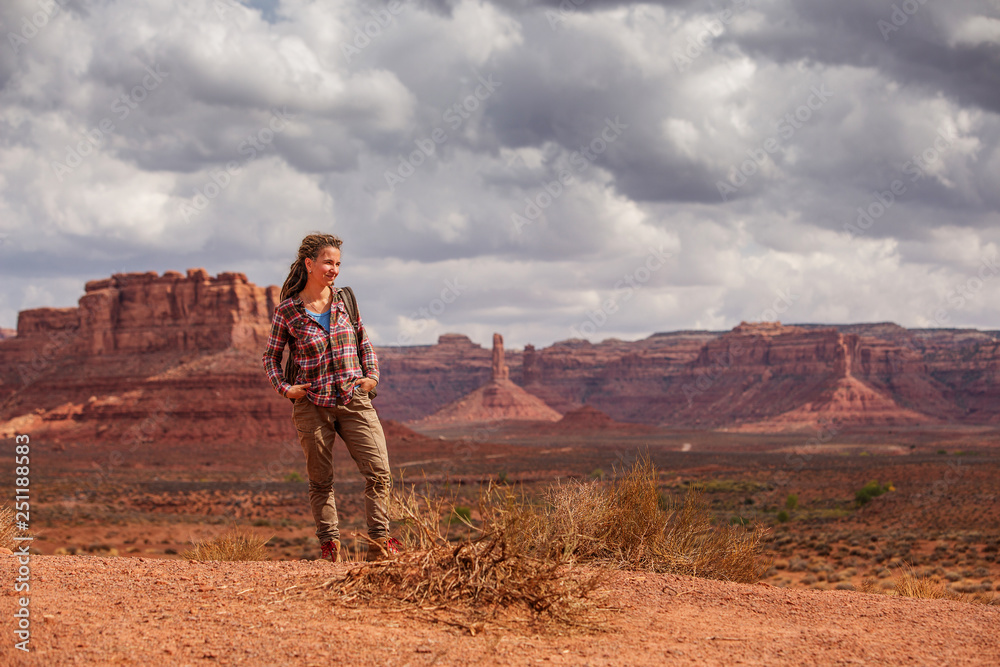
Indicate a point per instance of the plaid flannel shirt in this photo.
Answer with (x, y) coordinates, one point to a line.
(328, 361)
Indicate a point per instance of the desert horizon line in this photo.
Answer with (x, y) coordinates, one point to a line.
(239, 277)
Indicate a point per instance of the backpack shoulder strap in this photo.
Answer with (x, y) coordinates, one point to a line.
(351, 304)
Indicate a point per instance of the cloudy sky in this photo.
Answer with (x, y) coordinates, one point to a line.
(586, 169)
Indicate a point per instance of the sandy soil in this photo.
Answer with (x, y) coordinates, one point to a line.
(94, 610)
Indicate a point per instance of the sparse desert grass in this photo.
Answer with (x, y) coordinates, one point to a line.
(907, 582)
(624, 524)
(236, 544)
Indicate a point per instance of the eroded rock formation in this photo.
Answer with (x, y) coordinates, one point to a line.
(146, 359)
(499, 400)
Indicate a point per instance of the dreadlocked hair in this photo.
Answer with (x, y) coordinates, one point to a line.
(310, 247)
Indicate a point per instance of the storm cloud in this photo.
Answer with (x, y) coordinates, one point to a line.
(582, 167)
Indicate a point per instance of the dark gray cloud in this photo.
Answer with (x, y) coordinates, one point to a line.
(768, 158)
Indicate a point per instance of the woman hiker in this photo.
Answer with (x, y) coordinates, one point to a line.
(336, 370)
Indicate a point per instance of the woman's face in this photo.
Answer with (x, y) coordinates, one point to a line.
(325, 268)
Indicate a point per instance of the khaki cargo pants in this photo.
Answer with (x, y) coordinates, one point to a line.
(358, 425)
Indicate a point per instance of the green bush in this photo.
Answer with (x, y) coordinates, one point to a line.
(782, 516)
(791, 502)
(871, 490)
(597, 473)
(293, 477)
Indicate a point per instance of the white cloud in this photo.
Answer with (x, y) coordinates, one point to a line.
(653, 187)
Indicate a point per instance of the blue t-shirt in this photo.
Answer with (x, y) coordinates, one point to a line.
(322, 319)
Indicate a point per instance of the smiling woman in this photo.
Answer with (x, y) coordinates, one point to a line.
(337, 370)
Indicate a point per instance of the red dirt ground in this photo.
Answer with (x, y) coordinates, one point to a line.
(134, 611)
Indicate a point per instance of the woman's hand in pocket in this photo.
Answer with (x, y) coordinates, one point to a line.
(298, 390)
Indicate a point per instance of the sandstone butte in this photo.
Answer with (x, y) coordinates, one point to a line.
(140, 347)
(498, 400)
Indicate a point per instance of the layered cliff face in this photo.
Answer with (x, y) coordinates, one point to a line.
(141, 313)
(147, 358)
(758, 372)
(144, 349)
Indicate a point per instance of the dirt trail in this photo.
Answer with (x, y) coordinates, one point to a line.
(134, 611)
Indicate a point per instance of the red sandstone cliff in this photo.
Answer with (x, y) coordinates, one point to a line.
(178, 355)
(147, 358)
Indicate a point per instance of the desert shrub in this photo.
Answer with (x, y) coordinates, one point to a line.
(489, 572)
(293, 477)
(597, 473)
(496, 570)
(871, 490)
(525, 549)
(783, 516)
(791, 502)
(235, 544)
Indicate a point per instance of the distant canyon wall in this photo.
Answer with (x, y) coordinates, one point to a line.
(190, 346)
